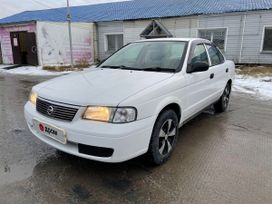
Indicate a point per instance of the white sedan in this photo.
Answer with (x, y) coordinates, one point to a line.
(134, 102)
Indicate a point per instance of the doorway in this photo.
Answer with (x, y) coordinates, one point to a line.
(24, 48)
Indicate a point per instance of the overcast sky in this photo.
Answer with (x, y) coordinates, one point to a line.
(10, 7)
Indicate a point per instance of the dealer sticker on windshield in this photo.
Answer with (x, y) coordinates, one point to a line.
(50, 131)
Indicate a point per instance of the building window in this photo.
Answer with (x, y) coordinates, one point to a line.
(217, 36)
(267, 42)
(113, 42)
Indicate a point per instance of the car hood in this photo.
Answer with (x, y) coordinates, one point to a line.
(106, 87)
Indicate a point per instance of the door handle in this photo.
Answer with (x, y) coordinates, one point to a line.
(212, 76)
(227, 70)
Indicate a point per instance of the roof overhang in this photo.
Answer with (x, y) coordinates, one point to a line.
(16, 23)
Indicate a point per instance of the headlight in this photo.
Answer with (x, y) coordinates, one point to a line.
(33, 97)
(124, 115)
(111, 115)
(104, 114)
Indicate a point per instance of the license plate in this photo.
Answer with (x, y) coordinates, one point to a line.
(50, 131)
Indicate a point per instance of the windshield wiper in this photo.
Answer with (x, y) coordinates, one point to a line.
(151, 69)
(111, 66)
(159, 69)
(119, 67)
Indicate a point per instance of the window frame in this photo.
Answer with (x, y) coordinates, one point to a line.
(204, 46)
(191, 53)
(210, 60)
(212, 29)
(262, 43)
(106, 46)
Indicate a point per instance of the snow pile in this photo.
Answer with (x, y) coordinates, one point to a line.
(30, 70)
(260, 86)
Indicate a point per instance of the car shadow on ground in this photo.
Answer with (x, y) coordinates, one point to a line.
(133, 180)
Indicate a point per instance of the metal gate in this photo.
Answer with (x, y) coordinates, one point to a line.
(24, 48)
(32, 55)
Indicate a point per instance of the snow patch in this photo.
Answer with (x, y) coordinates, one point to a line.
(31, 70)
(260, 86)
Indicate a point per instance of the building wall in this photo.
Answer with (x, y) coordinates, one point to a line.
(6, 42)
(243, 43)
(103, 29)
(54, 47)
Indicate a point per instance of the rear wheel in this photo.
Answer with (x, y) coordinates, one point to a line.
(164, 137)
(223, 103)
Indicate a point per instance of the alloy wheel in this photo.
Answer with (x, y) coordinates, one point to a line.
(226, 96)
(167, 135)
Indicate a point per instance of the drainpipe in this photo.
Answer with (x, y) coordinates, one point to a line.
(95, 43)
(69, 19)
(242, 39)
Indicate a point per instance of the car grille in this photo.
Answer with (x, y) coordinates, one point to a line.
(55, 111)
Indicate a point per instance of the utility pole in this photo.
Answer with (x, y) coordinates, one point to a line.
(69, 19)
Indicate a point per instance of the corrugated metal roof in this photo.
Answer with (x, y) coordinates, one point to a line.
(140, 9)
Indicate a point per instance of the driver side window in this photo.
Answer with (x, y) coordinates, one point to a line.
(200, 55)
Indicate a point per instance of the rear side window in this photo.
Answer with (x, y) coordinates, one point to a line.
(215, 55)
(200, 54)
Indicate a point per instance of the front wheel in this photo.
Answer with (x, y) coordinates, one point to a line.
(164, 137)
(223, 103)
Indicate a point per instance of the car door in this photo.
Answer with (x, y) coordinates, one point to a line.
(198, 89)
(219, 69)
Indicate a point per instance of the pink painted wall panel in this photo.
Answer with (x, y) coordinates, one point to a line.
(53, 43)
(6, 42)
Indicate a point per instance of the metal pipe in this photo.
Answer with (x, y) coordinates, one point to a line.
(69, 19)
(242, 40)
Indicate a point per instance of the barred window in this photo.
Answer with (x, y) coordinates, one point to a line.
(217, 36)
(267, 42)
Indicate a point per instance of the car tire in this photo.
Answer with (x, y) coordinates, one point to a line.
(164, 137)
(223, 103)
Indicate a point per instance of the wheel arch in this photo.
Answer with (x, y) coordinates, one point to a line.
(172, 106)
(229, 82)
(171, 103)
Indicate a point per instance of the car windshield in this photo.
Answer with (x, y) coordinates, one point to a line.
(162, 56)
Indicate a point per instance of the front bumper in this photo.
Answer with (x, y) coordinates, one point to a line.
(127, 140)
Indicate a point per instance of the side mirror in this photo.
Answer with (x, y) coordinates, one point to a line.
(199, 67)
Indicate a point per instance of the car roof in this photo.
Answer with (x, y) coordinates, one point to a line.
(172, 39)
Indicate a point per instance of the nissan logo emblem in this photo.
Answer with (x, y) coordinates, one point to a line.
(50, 110)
